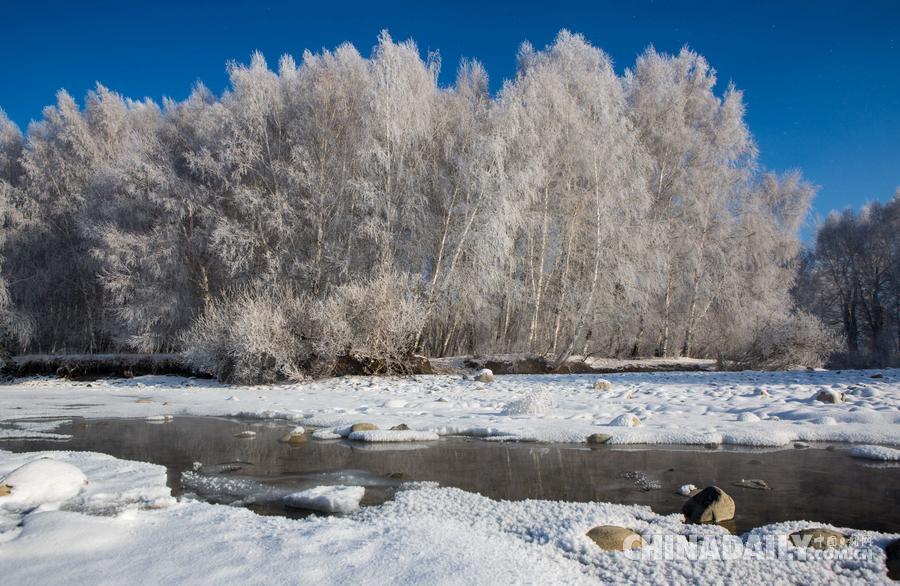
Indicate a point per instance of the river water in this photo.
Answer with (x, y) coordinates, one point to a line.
(205, 459)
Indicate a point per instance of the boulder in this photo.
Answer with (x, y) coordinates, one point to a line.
(892, 554)
(598, 438)
(400, 427)
(818, 538)
(485, 375)
(601, 384)
(829, 396)
(363, 427)
(247, 434)
(614, 538)
(710, 505)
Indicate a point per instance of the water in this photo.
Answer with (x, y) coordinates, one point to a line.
(815, 484)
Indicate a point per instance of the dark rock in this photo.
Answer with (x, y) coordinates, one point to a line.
(710, 505)
(818, 538)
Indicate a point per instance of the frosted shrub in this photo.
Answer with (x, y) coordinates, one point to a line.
(788, 341)
(376, 319)
(248, 337)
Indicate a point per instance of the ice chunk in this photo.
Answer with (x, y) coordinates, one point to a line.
(328, 499)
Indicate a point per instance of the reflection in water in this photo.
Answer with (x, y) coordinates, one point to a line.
(811, 484)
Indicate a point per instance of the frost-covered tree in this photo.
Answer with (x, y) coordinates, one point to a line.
(575, 172)
(701, 154)
(575, 212)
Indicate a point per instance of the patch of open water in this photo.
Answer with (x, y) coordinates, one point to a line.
(204, 458)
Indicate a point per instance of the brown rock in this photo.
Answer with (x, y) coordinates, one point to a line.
(4, 490)
(400, 427)
(818, 538)
(829, 396)
(598, 438)
(363, 427)
(710, 505)
(614, 538)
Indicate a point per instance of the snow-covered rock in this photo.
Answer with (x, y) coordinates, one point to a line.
(41, 481)
(485, 375)
(328, 499)
(829, 396)
(626, 420)
(686, 489)
(601, 384)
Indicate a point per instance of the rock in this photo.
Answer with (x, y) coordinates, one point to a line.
(710, 505)
(755, 483)
(128, 373)
(143, 401)
(293, 438)
(41, 481)
(830, 396)
(598, 438)
(247, 434)
(485, 375)
(401, 427)
(818, 538)
(363, 427)
(614, 538)
(892, 552)
(626, 420)
(601, 384)
(801, 445)
(877, 375)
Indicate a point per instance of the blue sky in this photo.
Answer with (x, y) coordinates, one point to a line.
(821, 79)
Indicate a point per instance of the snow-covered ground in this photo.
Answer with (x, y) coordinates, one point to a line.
(746, 408)
(123, 527)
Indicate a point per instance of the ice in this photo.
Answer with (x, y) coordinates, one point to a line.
(328, 499)
(875, 453)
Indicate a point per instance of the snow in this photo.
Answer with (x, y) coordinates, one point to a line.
(329, 499)
(686, 489)
(41, 481)
(124, 528)
(765, 409)
(385, 435)
(875, 453)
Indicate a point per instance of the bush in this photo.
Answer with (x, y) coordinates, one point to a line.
(249, 337)
(786, 341)
(377, 320)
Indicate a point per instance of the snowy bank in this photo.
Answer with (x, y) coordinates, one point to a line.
(765, 409)
(426, 534)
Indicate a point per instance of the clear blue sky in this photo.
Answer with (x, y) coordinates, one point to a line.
(821, 79)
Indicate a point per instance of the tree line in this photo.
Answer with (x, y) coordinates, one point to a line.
(850, 278)
(352, 204)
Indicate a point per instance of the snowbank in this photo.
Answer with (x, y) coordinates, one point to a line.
(41, 481)
(765, 409)
(875, 453)
(427, 534)
(329, 499)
